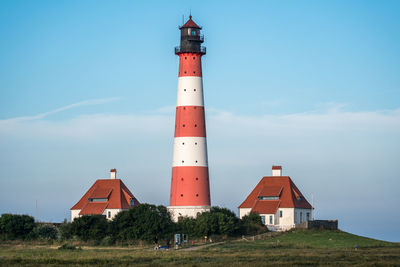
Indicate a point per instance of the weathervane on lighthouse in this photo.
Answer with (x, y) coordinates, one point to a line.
(190, 187)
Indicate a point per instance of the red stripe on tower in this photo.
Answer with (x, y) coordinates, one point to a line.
(190, 189)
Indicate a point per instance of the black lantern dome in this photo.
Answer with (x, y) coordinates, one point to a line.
(191, 39)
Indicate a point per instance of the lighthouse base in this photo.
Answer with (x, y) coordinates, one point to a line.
(186, 211)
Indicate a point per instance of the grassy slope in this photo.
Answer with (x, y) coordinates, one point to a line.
(293, 248)
(316, 239)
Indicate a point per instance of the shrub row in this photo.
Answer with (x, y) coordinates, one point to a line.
(142, 222)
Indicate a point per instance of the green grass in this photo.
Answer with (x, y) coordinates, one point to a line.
(299, 247)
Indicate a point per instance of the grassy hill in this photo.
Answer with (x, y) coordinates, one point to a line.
(327, 239)
(298, 247)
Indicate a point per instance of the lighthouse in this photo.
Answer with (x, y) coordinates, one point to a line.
(190, 187)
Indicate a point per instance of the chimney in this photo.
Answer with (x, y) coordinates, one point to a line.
(276, 170)
(113, 174)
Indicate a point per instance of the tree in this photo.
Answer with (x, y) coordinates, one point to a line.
(218, 221)
(90, 227)
(142, 222)
(14, 226)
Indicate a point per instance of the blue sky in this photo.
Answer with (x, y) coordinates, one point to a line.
(86, 86)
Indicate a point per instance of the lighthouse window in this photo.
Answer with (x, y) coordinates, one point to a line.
(195, 143)
(196, 161)
(194, 72)
(183, 143)
(184, 90)
(185, 57)
(183, 161)
(194, 90)
(181, 195)
(183, 125)
(181, 179)
(197, 195)
(194, 57)
(195, 125)
(197, 178)
(185, 71)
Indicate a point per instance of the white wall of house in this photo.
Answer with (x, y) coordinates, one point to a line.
(269, 219)
(110, 213)
(244, 212)
(74, 214)
(300, 215)
(287, 216)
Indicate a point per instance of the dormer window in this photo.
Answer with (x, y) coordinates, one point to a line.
(268, 198)
(97, 199)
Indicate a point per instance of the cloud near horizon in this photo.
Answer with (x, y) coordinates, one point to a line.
(342, 158)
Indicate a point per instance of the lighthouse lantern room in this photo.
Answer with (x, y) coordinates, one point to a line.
(190, 190)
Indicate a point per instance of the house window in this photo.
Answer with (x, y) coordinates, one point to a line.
(109, 214)
(280, 213)
(263, 219)
(97, 199)
(132, 202)
(268, 197)
(301, 217)
(308, 216)
(270, 219)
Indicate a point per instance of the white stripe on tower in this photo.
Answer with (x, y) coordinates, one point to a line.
(190, 91)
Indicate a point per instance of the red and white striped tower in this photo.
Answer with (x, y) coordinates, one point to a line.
(190, 189)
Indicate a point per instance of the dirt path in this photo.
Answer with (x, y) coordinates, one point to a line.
(202, 246)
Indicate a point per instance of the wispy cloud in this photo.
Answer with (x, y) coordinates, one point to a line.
(89, 102)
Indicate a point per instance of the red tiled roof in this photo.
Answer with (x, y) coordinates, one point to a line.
(117, 194)
(101, 192)
(270, 191)
(288, 196)
(277, 167)
(266, 206)
(92, 208)
(190, 24)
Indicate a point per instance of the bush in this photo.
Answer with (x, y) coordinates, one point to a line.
(252, 224)
(142, 222)
(69, 247)
(13, 226)
(46, 231)
(93, 227)
(107, 241)
(65, 231)
(218, 221)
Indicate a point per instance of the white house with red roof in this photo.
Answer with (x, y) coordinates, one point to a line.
(106, 197)
(279, 202)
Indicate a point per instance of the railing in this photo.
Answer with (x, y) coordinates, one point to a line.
(178, 50)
